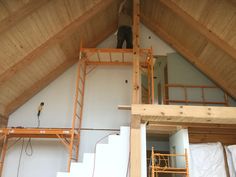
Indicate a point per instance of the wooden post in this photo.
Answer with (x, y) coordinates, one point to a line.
(135, 146)
(3, 154)
(136, 45)
(153, 162)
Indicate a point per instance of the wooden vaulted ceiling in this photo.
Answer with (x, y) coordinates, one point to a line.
(39, 40)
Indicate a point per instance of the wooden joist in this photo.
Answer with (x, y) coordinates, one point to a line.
(185, 114)
(18, 15)
(57, 38)
(208, 34)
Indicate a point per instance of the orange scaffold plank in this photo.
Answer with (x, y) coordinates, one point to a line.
(36, 132)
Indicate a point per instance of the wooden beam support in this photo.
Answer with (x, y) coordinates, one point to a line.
(16, 16)
(207, 33)
(58, 37)
(135, 142)
(135, 147)
(157, 29)
(185, 114)
(2, 110)
(136, 44)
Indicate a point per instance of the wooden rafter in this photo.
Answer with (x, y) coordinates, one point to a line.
(58, 37)
(208, 34)
(1, 110)
(18, 15)
(157, 29)
(11, 107)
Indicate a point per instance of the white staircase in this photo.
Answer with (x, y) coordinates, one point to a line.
(110, 159)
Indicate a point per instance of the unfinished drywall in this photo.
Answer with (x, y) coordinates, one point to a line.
(105, 89)
(180, 71)
(178, 143)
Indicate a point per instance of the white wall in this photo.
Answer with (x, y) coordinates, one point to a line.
(105, 90)
(179, 141)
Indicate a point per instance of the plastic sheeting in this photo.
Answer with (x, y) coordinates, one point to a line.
(231, 159)
(207, 160)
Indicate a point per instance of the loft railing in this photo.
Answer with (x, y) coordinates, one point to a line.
(187, 100)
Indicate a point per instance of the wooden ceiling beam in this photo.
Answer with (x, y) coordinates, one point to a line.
(11, 107)
(207, 33)
(58, 37)
(16, 16)
(157, 29)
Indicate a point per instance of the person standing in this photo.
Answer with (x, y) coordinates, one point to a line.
(124, 28)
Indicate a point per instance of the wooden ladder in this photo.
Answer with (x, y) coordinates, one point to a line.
(78, 111)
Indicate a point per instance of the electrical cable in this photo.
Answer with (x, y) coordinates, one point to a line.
(19, 163)
(29, 145)
(38, 123)
(95, 148)
(18, 139)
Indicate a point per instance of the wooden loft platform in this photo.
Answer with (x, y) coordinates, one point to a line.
(185, 115)
(111, 56)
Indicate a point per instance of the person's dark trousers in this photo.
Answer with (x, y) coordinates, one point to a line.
(125, 34)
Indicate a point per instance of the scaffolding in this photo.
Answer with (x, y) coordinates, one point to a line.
(89, 59)
(162, 164)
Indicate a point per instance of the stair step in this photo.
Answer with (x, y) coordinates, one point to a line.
(63, 174)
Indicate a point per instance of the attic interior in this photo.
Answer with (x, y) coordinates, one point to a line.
(157, 110)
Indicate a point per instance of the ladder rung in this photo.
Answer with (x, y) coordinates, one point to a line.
(81, 79)
(80, 91)
(77, 116)
(79, 104)
(81, 67)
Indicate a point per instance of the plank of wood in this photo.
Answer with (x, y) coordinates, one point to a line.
(208, 34)
(58, 37)
(124, 107)
(20, 14)
(185, 114)
(196, 61)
